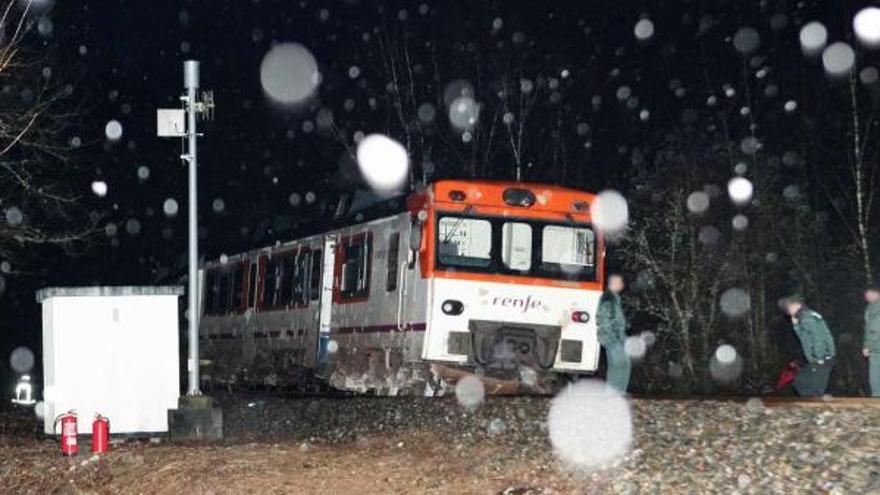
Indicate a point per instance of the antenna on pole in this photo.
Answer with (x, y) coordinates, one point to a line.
(181, 123)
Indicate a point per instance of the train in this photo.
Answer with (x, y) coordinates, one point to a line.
(491, 278)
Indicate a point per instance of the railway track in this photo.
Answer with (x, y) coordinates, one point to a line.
(776, 401)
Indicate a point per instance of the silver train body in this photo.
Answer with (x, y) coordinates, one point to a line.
(405, 303)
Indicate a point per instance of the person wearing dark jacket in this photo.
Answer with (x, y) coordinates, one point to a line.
(611, 331)
(871, 344)
(818, 346)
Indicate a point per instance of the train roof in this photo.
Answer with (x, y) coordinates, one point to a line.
(355, 209)
(535, 196)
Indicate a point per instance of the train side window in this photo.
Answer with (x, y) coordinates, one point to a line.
(252, 285)
(270, 282)
(210, 292)
(355, 282)
(391, 272)
(316, 275)
(288, 274)
(237, 279)
(223, 294)
(301, 279)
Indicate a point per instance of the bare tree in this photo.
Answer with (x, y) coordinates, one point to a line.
(38, 205)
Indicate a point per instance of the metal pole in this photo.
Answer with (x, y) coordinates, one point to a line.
(191, 83)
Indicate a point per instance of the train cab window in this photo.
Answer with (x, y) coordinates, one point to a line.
(270, 283)
(237, 296)
(355, 276)
(465, 242)
(315, 277)
(568, 249)
(516, 246)
(301, 279)
(393, 253)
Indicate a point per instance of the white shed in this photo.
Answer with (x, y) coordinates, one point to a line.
(113, 351)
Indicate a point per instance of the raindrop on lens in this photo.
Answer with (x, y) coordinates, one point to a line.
(635, 347)
(21, 360)
(746, 40)
(644, 29)
(740, 190)
(698, 202)
(218, 205)
(725, 354)
(590, 425)
(740, 222)
(750, 145)
(866, 25)
(133, 227)
(383, 163)
(170, 207)
(113, 130)
(289, 73)
(14, 216)
(99, 188)
(610, 211)
(469, 392)
(722, 372)
(497, 427)
(464, 113)
(426, 113)
(735, 302)
(813, 37)
(868, 75)
(838, 58)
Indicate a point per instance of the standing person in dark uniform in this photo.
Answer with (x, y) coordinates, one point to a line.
(611, 330)
(871, 345)
(818, 346)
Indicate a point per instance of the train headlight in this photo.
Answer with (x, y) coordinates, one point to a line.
(452, 307)
(580, 316)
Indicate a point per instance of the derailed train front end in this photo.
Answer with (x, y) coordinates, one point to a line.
(514, 279)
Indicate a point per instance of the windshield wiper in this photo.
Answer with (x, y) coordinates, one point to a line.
(458, 223)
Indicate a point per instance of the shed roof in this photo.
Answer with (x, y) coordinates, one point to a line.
(104, 291)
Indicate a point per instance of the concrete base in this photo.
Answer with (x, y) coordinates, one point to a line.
(196, 418)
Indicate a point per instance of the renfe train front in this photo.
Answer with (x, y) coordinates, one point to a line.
(493, 278)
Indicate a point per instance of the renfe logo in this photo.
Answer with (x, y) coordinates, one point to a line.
(518, 302)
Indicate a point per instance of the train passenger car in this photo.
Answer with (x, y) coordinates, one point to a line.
(497, 278)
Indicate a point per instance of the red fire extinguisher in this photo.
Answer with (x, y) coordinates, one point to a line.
(100, 434)
(68, 433)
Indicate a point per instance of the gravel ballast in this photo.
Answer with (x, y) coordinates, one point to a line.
(373, 445)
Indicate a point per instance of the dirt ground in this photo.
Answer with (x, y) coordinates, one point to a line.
(384, 446)
(412, 463)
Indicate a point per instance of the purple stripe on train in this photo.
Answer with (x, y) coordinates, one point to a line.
(410, 327)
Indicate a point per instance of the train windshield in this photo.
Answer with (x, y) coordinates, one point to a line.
(516, 246)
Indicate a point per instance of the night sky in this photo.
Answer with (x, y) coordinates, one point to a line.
(124, 59)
